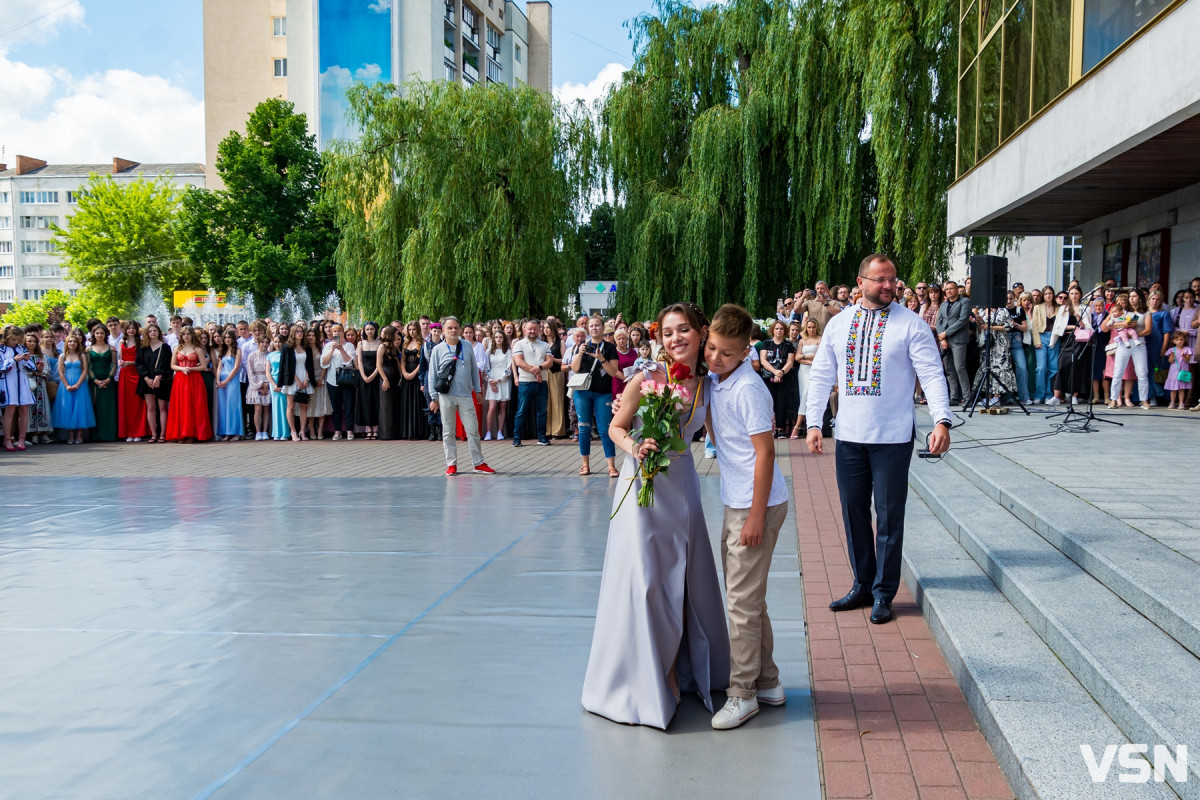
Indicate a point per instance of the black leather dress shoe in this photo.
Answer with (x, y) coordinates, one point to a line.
(856, 598)
(882, 612)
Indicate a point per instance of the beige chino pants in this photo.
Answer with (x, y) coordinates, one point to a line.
(751, 641)
(465, 406)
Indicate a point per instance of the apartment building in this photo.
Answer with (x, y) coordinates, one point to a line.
(34, 196)
(311, 51)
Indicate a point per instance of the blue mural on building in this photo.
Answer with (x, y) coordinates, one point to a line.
(355, 46)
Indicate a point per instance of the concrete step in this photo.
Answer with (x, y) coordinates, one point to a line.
(1154, 579)
(1030, 708)
(1145, 680)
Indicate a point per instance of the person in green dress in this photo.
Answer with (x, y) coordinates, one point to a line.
(103, 380)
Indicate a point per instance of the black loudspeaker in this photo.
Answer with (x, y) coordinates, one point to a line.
(989, 282)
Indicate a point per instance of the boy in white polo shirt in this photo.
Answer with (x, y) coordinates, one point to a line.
(756, 501)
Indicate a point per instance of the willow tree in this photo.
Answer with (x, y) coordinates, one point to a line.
(459, 200)
(759, 145)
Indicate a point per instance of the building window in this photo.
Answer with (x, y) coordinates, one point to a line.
(5, 247)
(279, 26)
(38, 222)
(3, 198)
(5, 223)
(35, 294)
(6, 271)
(73, 197)
(1072, 257)
(6, 295)
(1107, 25)
(281, 68)
(1014, 59)
(39, 197)
(38, 246)
(517, 53)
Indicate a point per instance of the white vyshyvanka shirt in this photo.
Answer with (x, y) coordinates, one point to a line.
(875, 356)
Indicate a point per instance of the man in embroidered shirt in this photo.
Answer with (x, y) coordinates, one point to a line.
(873, 352)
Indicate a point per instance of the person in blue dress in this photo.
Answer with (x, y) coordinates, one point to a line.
(279, 420)
(229, 388)
(73, 405)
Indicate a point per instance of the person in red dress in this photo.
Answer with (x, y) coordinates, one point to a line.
(188, 415)
(131, 407)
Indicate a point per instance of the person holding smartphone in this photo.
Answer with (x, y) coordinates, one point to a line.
(337, 353)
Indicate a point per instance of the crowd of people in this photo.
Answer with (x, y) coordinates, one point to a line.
(538, 380)
(1122, 347)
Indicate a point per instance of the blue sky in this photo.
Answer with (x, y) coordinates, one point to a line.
(84, 80)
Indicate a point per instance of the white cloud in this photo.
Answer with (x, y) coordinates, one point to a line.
(113, 113)
(26, 21)
(368, 73)
(595, 89)
(381, 6)
(67, 119)
(334, 82)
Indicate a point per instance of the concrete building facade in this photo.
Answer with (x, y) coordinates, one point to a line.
(245, 62)
(314, 50)
(34, 196)
(1082, 117)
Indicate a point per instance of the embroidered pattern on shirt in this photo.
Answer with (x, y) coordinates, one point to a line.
(864, 352)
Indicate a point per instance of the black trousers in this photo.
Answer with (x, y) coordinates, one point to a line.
(342, 400)
(880, 471)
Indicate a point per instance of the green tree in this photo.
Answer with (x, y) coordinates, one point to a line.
(460, 200)
(120, 239)
(267, 230)
(51, 307)
(600, 244)
(763, 144)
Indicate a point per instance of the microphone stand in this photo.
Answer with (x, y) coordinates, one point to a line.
(1071, 416)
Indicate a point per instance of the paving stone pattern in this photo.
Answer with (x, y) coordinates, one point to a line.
(891, 721)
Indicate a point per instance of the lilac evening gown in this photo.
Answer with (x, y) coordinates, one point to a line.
(659, 599)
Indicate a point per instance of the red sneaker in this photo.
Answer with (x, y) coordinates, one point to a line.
(484, 469)
(451, 471)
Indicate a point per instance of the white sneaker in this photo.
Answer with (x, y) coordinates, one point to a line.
(499, 437)
(771, 697)
(735, 713)
(1054, 401)
(487, 437)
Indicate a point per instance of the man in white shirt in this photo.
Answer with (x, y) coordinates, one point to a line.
(873, 352)
(532, 360)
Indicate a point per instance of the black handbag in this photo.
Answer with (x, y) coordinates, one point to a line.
(445, 375)
(347, 376)
(301, 398)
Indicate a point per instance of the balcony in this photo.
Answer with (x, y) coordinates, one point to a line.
(451, 72)
(495, 73)
(449, 15)
(470, 36)
(448, 54)
(470, 71)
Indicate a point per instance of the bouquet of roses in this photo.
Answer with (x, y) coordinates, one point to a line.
(659, 409)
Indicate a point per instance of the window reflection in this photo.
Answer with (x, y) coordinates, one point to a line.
(1107, 24)
(1051, 50)
(989, 97)
(1018, 50)
(966, 121)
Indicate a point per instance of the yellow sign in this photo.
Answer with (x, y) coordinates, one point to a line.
(198, 296)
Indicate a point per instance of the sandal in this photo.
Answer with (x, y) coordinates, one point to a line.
(795, 433)
(612, 473)
(585, 471)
